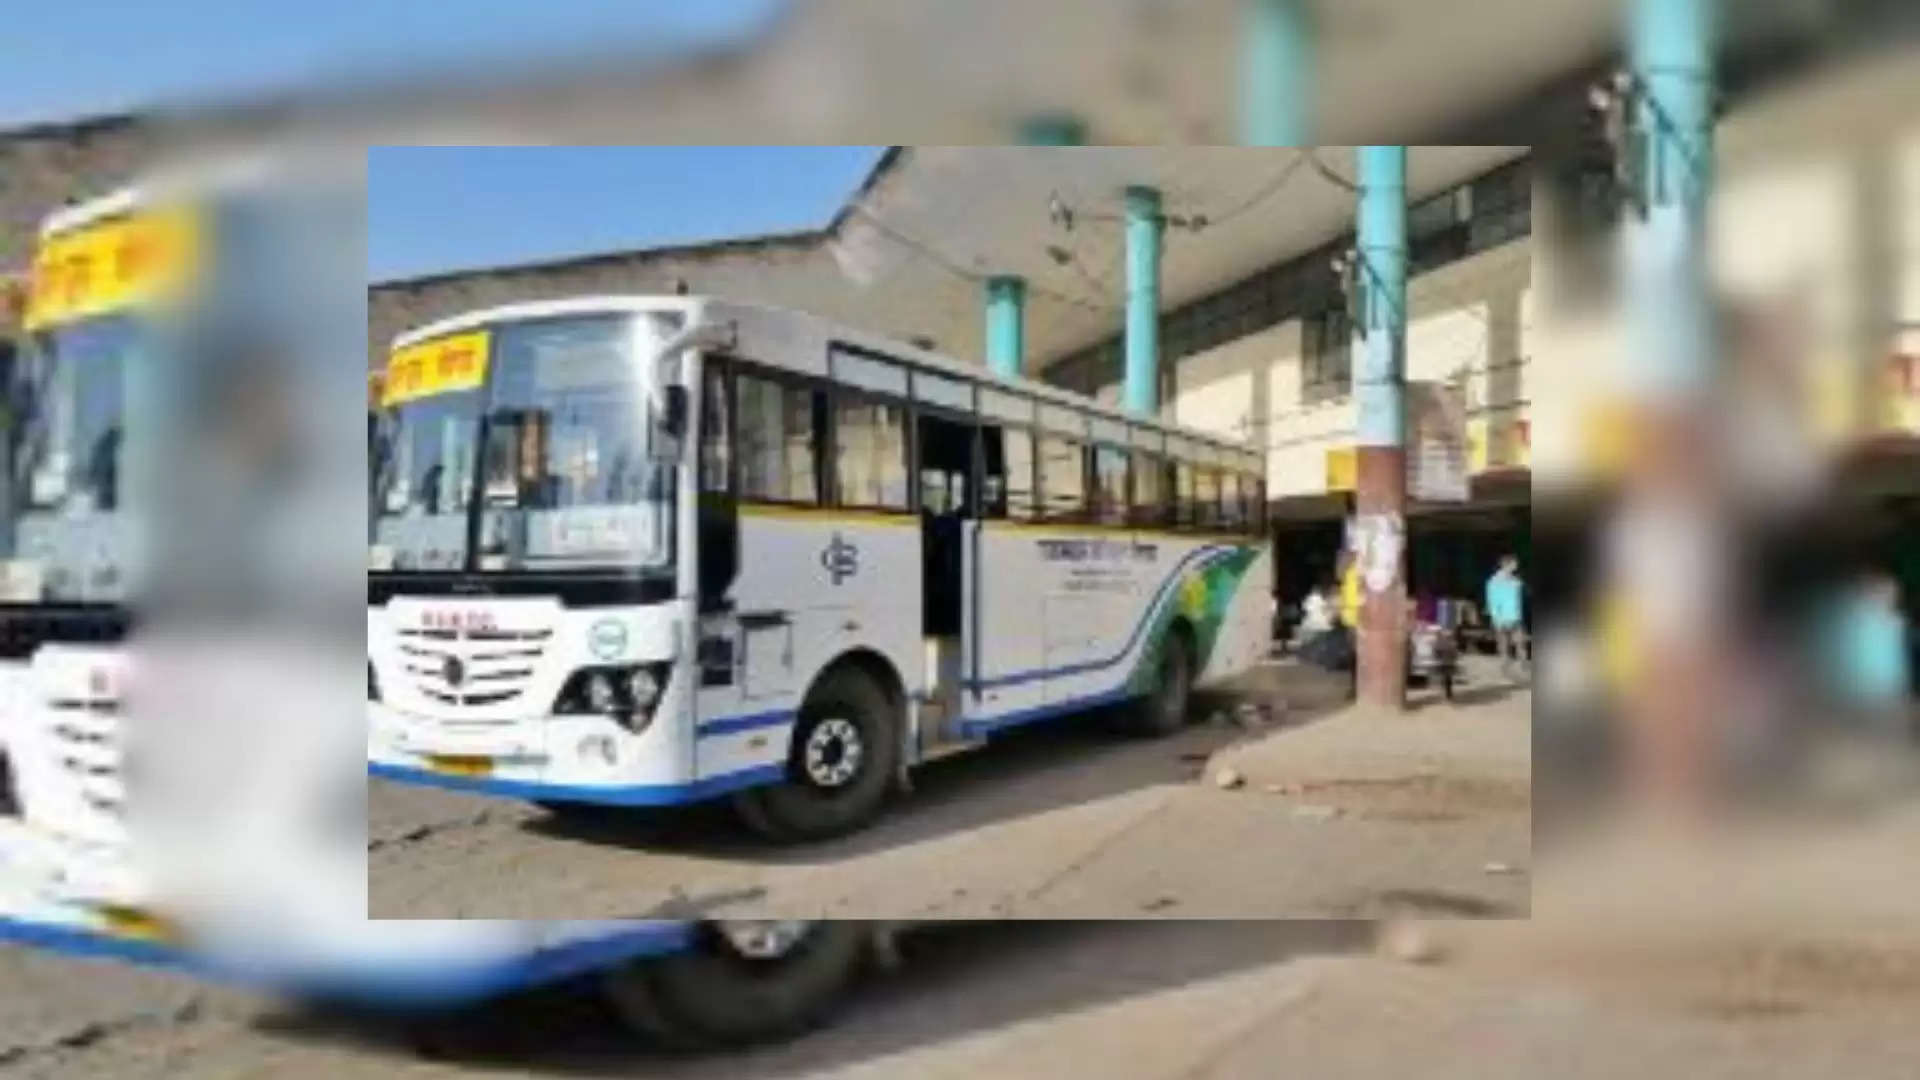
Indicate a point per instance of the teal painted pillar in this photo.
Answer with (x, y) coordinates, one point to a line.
(1380, 453)
(1380, 375)
(1144, 226)
(1670, 48)
(1276, 73)
(1053, 129)
(1006, 324)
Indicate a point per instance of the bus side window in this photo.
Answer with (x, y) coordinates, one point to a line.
(1232, 511)
(719, 528)
(716, 433)
(1063, 478)
(780, 428)
(1109, 485)
(1183, 494)
(1006, 489)
(1206, 497)
(1149, 490)
(870, 453)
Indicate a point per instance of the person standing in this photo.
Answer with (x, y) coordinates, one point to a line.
(1506, 607)
(1867, 659)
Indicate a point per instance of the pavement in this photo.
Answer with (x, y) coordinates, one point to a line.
(1351, 812)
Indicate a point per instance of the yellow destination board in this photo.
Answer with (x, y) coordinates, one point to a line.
(440, 366)
(112, 265)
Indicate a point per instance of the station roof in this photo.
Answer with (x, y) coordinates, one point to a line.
(921, 236)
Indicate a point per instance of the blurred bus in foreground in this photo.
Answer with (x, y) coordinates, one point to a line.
(169, 799)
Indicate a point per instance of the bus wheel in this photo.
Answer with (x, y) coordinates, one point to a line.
(1164, 711)
(845, 749)
(744, 981)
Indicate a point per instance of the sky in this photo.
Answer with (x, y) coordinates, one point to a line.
(64, 60)
(434, 209)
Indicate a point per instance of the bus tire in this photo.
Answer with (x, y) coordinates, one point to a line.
(1164, 710)
(846, 749)
(717, 995)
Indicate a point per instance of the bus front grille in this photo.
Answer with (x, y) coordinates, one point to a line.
(472, 668)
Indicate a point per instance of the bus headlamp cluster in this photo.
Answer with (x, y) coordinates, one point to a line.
(626, 692)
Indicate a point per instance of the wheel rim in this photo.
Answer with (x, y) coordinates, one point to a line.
(763, 939)
(833, 753)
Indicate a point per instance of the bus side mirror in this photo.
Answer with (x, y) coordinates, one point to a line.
(673, 412)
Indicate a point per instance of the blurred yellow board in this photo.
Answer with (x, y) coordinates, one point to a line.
(441, 366)
(115, 264)
(1342, 469)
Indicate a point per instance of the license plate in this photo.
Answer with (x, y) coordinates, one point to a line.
(137, 925)
(460, 765)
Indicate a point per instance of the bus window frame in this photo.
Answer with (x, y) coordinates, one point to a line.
(1035, 504)
(1080, 514)
(1146, 462)
(1126, 482)
(821, 389)
(725, 364)
(910, 446)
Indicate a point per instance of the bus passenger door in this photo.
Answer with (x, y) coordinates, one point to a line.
(1005, 634)
(947, 500)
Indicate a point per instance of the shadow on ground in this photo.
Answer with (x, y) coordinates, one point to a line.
(956, 980)
(1023, 773)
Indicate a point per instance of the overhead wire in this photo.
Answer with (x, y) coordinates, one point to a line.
(955, 268)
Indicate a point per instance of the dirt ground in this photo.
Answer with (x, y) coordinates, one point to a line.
(1326, 811)
(1146, 999)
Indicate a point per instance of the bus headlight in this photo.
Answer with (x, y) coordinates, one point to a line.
(600, 694)
(643, 689)
(628, 693)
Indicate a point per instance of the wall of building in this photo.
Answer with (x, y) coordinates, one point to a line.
(1469, 323)
(42, 168)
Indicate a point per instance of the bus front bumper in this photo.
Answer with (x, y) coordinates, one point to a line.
(560, 759)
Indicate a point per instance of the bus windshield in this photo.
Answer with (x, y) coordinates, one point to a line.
(543, 450)
(66, 532)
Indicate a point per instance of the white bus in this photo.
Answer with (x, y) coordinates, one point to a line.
(113, 279)
(650, 550)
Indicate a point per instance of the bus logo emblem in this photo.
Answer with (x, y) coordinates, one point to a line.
(608, 639)
(840, 559)
(454, 671)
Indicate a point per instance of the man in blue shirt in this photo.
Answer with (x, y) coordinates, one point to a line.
(1505, 610)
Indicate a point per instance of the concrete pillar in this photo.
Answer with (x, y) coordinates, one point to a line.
(1276, 73)
(1144, 227)
(1670, 322)
(1380, 522)
(1679, 692)
(1006, 324)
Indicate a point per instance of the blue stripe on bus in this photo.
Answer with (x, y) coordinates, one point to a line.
(427, 983)
(974, 729)
(628, 795)
(75, 941)
(418, 982)
(728, 725)
(1015, 679)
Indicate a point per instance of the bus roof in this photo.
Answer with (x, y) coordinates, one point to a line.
(720, 309)
(222, 173)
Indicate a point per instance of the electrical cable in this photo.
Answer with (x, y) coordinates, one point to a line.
(957, 270)
(1327, 172)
